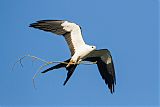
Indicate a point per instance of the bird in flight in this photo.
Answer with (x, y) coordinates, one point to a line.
(80, 51)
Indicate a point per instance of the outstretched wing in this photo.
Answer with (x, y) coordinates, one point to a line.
(105, 66)
(70, 31)
(70, 69)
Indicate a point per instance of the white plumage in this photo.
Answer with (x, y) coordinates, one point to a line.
(72, 35)
(80, 51)
(75, 42)
(74, 38)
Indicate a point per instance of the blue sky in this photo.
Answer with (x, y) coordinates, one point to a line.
(128, 28)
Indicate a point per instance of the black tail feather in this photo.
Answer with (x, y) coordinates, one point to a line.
(70, 70)
(60, 65)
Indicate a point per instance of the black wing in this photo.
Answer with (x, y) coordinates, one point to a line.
(65, 28)
(53, 26)
(105, 66)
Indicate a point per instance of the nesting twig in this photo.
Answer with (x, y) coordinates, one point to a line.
(46, 63)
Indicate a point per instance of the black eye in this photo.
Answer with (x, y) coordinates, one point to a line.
(92, 46)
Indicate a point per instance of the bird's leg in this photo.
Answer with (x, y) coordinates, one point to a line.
(72, 62)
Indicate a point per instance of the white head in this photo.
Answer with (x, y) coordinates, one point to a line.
(90, 48)
(84, 51)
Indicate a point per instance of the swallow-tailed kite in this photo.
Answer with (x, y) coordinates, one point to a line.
(80, 51)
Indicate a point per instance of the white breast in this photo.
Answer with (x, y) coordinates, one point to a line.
(82, 52)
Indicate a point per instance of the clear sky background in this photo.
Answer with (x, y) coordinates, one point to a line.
(128, 28)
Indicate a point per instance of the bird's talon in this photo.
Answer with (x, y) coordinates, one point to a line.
(70, 63)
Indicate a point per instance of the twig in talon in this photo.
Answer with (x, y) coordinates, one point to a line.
(36, 74)
(45, 64)
(20, 61)
(33, 57)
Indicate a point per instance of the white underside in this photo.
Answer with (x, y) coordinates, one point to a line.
(74, 40)
(81, 53)
(79, 50)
